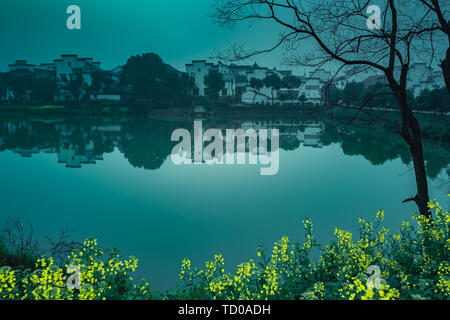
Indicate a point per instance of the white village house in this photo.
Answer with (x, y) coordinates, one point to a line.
(63, 70)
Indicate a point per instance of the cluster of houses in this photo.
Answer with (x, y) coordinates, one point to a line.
(63, 70)
(237, 78)
(311, 85)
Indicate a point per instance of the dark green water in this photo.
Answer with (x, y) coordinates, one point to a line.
(114, 180)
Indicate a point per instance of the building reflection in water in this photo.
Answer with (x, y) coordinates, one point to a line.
(292, 135)
(79, 143)
(147, 144)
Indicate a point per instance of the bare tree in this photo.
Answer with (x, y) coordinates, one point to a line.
(18, 239)
(337, 33)
(436, 9)
(22, 243)
(61, 245)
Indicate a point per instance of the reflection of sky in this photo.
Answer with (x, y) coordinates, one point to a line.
(112, 31)
(195, 211)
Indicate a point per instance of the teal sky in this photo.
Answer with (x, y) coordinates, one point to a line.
(114, 30)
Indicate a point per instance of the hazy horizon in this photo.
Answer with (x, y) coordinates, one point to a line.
(111, 32)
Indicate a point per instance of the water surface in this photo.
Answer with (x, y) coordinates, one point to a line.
(114, 180)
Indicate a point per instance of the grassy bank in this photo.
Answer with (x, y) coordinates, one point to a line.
(413, 264)
(51, 110)
(16, 108)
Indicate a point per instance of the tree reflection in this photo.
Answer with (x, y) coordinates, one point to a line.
(147, 144)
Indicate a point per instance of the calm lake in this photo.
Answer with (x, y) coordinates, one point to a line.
(114, 180)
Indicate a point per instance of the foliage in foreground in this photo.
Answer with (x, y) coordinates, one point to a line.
(414, 264)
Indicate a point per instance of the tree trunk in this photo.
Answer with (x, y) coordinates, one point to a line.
(412, 134)
(445, 65)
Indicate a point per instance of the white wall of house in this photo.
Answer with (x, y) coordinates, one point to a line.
(87, 78)
(9, 94)
(421, 77)
(310, 136)
(65, 66)
(65, 71)
(197, 70)
(311, 90)
(321, 74)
